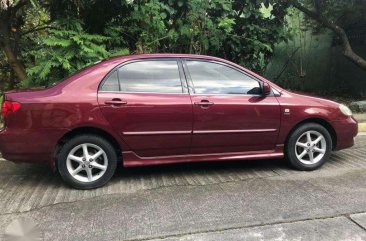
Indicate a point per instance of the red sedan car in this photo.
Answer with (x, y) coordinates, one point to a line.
(167, 108)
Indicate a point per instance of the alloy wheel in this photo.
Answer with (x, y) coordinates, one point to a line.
(310, 147)
(87, 162)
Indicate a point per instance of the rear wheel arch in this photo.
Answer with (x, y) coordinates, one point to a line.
(88, 130)
(321, 122)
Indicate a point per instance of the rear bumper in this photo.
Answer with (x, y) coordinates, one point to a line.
(33, 146)
(346, 130)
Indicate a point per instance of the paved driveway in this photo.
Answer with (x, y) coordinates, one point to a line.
(249, 200)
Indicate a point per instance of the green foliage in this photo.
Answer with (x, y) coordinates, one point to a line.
(54, 38)
(347, 14)
(5, 72)
(147, 22)
(64, 51)
(312, 40)
(259, 27)
(241, 31)
(178, 26)
(63, 36)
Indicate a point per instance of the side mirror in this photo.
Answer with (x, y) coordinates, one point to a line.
(266, 89)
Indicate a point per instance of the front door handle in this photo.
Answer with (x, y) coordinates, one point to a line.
(115, 102)
(204, 103)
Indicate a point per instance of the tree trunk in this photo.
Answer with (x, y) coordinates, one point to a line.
(346, 46)
(13, 61)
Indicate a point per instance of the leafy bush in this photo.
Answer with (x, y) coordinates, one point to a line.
(242, 31)
(65, 50)
(49, 40)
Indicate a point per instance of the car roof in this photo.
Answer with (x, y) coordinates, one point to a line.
(163, 55)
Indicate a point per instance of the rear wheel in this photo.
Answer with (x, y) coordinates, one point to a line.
(87, 162)
(309, 147)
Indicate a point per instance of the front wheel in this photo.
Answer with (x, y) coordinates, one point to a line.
(87, 162)
(309, 147)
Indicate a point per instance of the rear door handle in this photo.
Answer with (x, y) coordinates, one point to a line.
(115, 102)
(204, 103)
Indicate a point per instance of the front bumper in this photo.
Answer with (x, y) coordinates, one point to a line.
(346, 130)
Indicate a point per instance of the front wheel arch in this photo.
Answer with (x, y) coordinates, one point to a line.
(319, 121)
(301, 144)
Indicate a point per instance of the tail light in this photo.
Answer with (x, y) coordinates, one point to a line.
(9, 107)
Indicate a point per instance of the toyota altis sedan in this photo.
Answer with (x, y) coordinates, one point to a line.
(167, 108)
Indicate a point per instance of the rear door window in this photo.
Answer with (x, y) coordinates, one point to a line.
(150, 76)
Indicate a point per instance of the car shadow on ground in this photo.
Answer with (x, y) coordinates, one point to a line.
(50, 188)
(10, 169)
(203, 167)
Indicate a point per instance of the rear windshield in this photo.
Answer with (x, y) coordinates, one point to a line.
(73, 74)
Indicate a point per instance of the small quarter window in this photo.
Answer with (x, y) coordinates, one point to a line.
(111, 83)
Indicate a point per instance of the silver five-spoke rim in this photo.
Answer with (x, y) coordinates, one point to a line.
(310, 147)
(87, 162)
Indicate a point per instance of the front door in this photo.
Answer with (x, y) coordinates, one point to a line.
(147, 103)
(230, 114)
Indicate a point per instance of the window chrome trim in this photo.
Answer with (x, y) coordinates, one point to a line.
(158, 93)
(155, 93)
(241, 95)
(187, 84)
(190, 80)
(118, 66)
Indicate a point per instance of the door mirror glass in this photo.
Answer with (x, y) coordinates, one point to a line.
(266, 89)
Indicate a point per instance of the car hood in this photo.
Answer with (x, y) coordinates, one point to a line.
(314, 100)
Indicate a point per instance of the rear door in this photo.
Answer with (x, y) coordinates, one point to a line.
(148, 105)
(230, 114)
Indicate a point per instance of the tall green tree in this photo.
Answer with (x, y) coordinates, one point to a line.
(12, 14)
(38, 42)
(95, 14)
(336, 16)
(63, 51)
(236, 30)
(42, 42)
(255, 34)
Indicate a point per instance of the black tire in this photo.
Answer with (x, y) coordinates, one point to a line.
(291, 145)
(100, 142)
